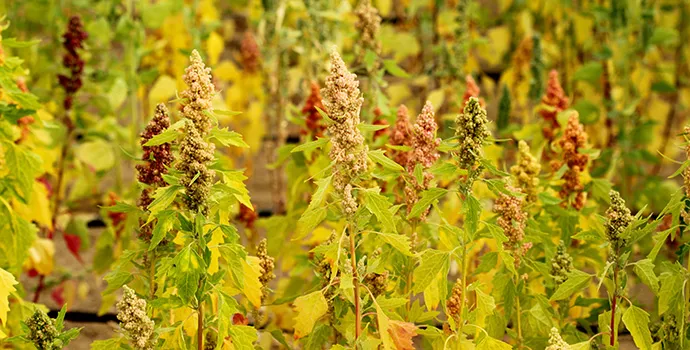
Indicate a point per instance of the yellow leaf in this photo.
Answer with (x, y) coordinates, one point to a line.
(7, 283)
(432, 293)
(163, 89)
(252, 286)
(401, 334)
(38, 208)
(436, 98)
(216, 239)
(309, 309)
(41, 256)
(214, 47)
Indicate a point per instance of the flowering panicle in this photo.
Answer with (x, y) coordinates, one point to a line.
(267, 264)
(424, 145)
(73, 39)
(556, 342)
(573, 139)
(42, 331)
(314, 124)
(561, 264)
(156, 158)
(379, 119)
(249, 50)
(343, 100)
(247, 216)
(526, 172)
(195, 152)
(131, 312)
(523, 53)
(454, 302)
(471, 90)
(471, 131)
(376, 282)
(618, 218)
(512, 219)
(368, 25)
(554, 101)
(401, 136)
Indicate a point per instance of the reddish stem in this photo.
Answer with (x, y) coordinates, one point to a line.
(39, 288)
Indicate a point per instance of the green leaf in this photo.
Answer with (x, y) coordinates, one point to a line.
(589, 72)
(380, 207)
(226, 113)
(488, 343)
(636, 321)
(472, 210)
(644, 269)
(363, 127)
(122, 207)
(680, 170)
(575, 282)
(242, 337)
(13, 42)
(585, 345)
(116, 279)
(311, 145)
(108, 344)
(426, 199)
(170, 134)
(397, 241)
(432, 262)
(671, 292)
(163, 198)
(165, 223)
(664, 36)
(228, 138)
(394, 69)
(311, 218)
(379, 157)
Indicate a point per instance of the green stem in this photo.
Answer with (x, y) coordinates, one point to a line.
(408, 285)
(355, 280)
(519, 312)
(200, 327)
(614, 298)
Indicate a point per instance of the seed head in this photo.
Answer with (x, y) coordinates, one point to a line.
(249, 50)
(618, 219)
(555, 101)
(573, 139)
(267, 264)
(471, 131)
(343, 100)
(512, 219)
(314, 123)
(131, 311)
(402, 136)
(556, 342)
(526, 172)
(471, 90)
(561, 264)
(42, 331)
(368, 25)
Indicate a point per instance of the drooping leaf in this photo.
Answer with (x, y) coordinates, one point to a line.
(644, 269)
(636, 321)
(309, 309)
(380, 207)
(575, 282)
(7, 282)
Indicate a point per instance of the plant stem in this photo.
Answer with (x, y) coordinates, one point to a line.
(613, 306)
(519, 312)
(463, 271)
(200, 327)
(355, 280)
(408, 285)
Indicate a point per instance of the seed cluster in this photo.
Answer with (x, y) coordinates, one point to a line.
(343, 100)
(454, 302)
(526, 172)
(249, 50)
(471, 90)
(267, 264)
(314, 122)
(157, 158)
(195, 152)
(471, 132)
(556, 342)
(573, 139)
(555, 101)
(73, 39)
(42, 331)
(618, 218)
(424, 145)
(561, 264)
(131, 312)
(376, 282)
(368, 25)
(401, 136)
(512, 219)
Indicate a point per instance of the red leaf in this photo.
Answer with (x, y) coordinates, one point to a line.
(239, 320)
(73, 243)
(57, 295)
